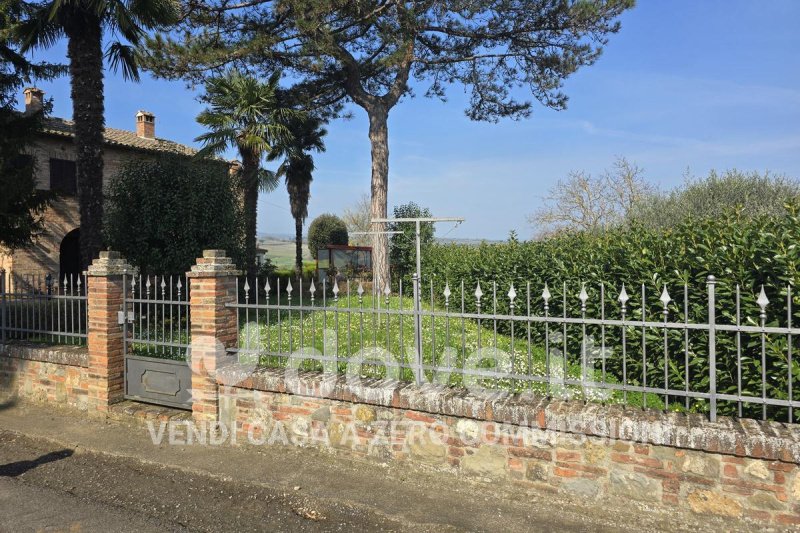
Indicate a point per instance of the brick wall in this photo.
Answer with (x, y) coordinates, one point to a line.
(529, 441)
(46, 374)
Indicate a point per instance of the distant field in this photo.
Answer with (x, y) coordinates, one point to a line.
(281, 251)
(281, 248)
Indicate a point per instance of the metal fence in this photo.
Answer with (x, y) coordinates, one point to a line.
(42, 308)
(714, 348)
(157, 316)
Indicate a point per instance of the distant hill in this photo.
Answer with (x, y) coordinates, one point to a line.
(468, 242)
(289, 238)
(276, 237)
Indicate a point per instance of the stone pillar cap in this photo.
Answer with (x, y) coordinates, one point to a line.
(110, 263)
(214, 253)
(213, 264)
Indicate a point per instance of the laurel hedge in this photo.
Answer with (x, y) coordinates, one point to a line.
(162, 212)
(736, 249)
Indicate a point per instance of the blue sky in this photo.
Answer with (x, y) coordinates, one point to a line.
(685, 84)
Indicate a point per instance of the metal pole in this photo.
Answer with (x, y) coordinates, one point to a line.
(417, 332)
(418, 374)
(712, 348)
(419, 261)
(124, 331)
(418, 310)
(3, 306)
(416, 221)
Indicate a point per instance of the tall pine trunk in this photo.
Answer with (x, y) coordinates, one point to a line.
(298, 247)
(85, 55)
(379, 141)
(250, 164)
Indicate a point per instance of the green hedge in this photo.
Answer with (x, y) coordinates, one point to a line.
(734, 248)
(161, 213)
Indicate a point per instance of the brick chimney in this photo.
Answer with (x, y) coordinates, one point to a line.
(33, 99)
(145, 125)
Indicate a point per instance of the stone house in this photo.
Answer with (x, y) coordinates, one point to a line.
(55, 251)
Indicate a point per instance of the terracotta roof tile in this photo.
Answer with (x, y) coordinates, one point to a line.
(115, 137)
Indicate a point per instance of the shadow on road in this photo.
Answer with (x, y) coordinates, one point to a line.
(20, 467)
(8, 403)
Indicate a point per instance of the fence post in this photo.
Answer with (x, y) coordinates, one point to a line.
(417, 330)
(2, 306)
(104, 333)
(214, 327)
(712, 347)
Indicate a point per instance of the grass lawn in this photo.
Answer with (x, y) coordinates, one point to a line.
(282, 252)
(382, 345)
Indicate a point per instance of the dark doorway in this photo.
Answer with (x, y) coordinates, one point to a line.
(70, 255)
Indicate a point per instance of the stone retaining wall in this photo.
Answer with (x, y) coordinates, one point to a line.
(733, 468)
(43, 373)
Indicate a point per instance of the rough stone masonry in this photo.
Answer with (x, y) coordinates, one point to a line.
(740, 468)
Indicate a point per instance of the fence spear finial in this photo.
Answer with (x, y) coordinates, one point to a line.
(665, 297)
(665, 300)
(623, 297)
(762, 303)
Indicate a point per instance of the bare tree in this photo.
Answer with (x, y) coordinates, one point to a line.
(357, 218)
(585, 203)
(627, 186)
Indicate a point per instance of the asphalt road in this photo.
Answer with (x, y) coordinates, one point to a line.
(34, 508)
(47, 489)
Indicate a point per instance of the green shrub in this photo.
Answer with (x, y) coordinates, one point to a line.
(289, 274)
(162, 213)
(324, 230)
(266, 268)
(737, 249)
(752, 193)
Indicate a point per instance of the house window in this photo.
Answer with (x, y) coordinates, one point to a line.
(62, 177)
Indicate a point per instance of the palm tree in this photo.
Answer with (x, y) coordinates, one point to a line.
(246, 114)
(297, 168)
(83, 23)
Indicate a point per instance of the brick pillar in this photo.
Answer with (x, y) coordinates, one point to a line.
(213, 325)
(106, 359)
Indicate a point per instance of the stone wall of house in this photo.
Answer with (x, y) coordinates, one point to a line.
(46, 374)
(746, 469)
(42, 257)
(51, 147)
